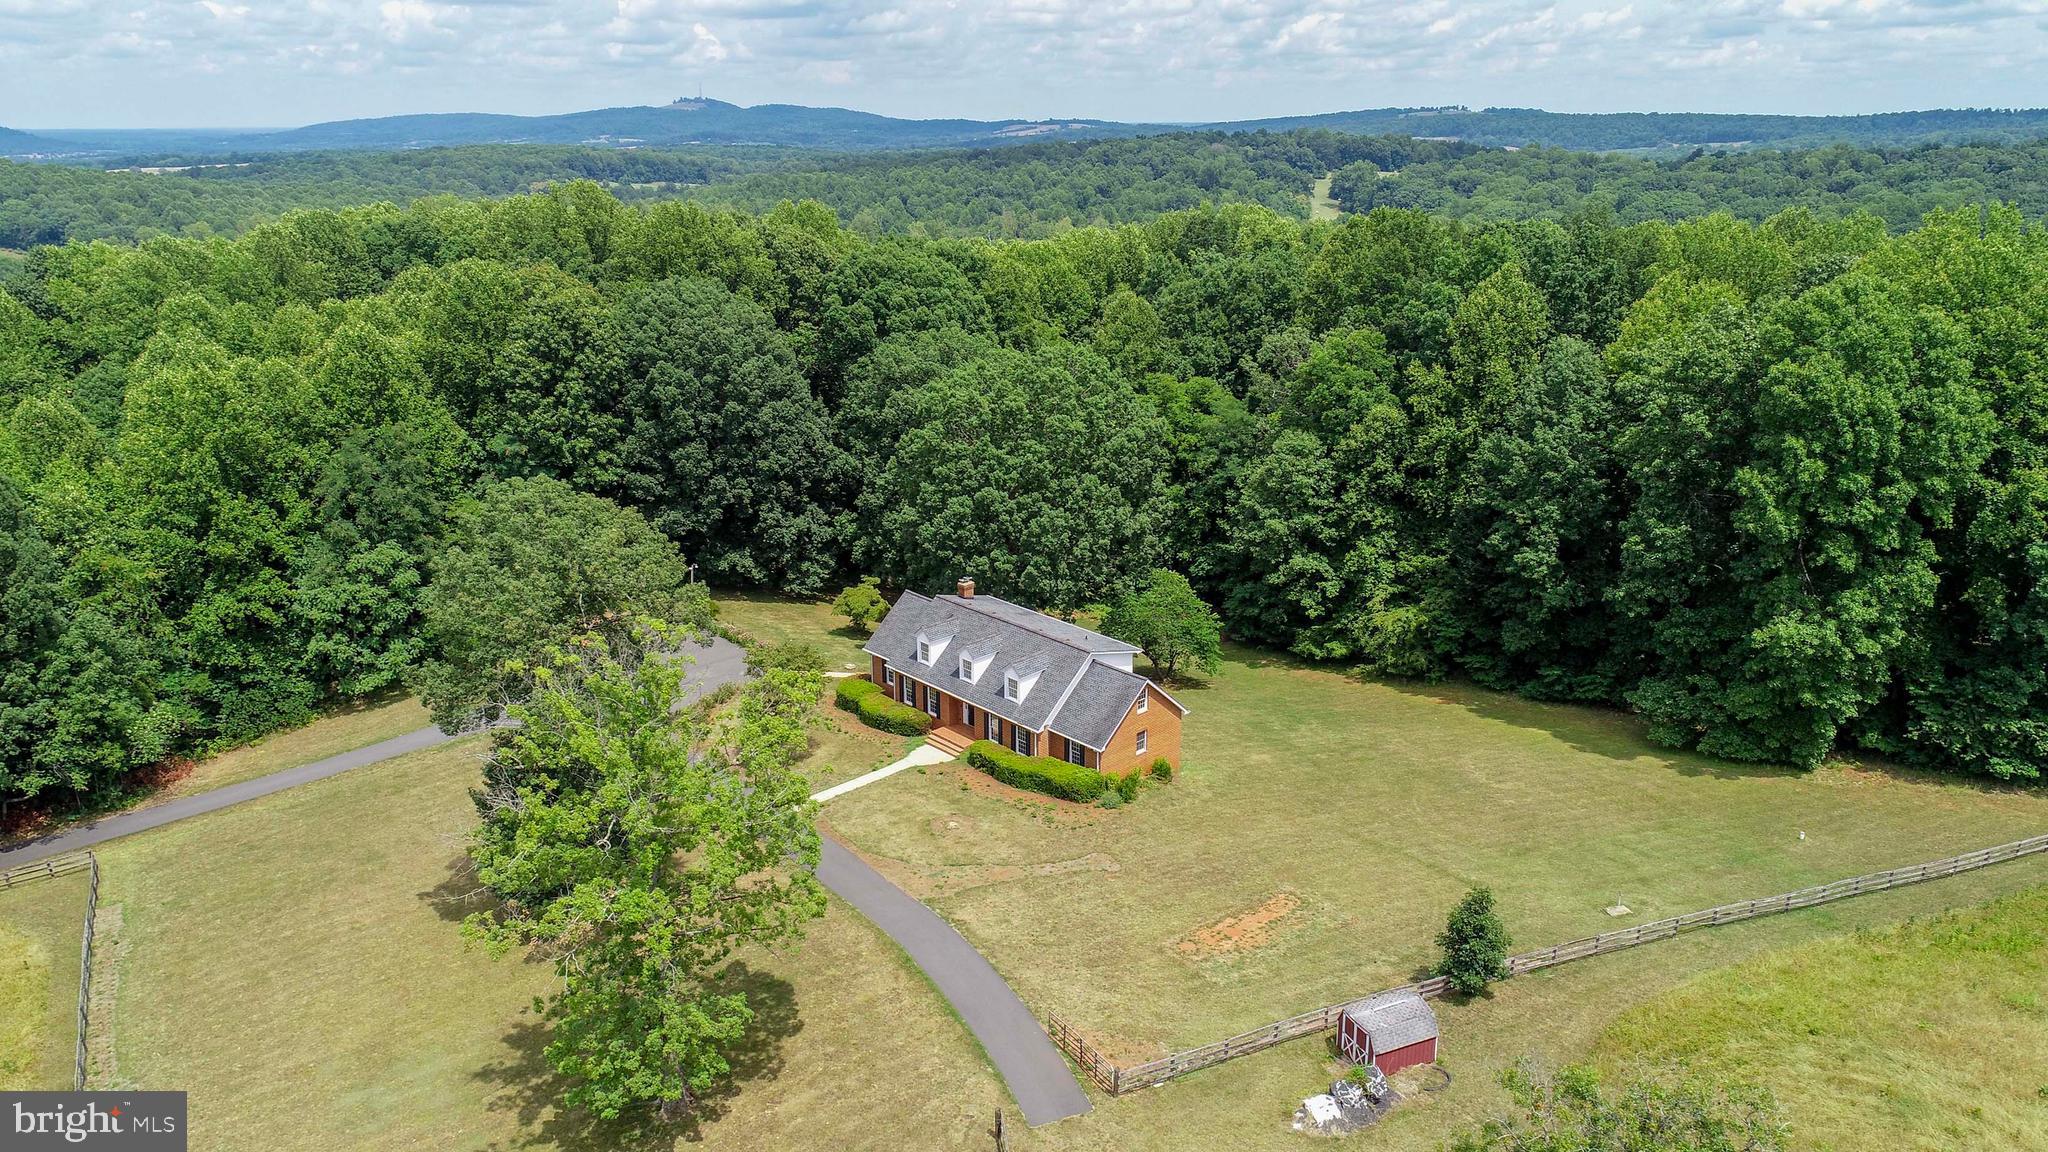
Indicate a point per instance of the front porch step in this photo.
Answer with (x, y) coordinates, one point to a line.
(951, 741)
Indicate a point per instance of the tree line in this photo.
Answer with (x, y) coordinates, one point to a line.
(1896, 184)
(1780, 488)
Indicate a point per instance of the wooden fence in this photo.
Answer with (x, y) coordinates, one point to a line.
(50, 868)
(92, 906)
(1117, 1080)
(46, 868)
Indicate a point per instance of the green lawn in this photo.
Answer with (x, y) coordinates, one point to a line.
(40, 925)
(1323, 825)
(342, 730)
(843, 747)
(1929, 1035)
(310, 939)
(781, 620)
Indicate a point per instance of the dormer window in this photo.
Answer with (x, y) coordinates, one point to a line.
(967, 669)
(930, 646)
(1017, 682)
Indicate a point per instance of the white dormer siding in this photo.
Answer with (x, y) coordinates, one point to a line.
(971, 668)
(930, 648)
(1017, 687)
(1115, 660)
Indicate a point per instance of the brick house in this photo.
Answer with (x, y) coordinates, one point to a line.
(987, 669)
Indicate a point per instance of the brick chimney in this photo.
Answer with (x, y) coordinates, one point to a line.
(967, 587)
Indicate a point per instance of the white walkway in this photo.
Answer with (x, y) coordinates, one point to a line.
(922, 754)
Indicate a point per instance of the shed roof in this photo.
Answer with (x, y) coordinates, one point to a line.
(1394, 1019)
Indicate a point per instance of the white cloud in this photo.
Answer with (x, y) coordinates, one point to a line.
(212, 61)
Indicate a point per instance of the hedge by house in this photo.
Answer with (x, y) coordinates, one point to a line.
(1038, 773)
(865, 699)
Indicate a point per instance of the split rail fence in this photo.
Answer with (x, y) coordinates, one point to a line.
(48, 869)
(1116, 1079)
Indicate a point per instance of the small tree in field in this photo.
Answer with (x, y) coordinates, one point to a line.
(1475, 944)
(1170, 622)
(636, 845)
(862, 604)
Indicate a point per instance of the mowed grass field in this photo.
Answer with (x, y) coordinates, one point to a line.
(1322, 826)
(343, 730)
(41, 925)
(1927, 1035)
(310, 939)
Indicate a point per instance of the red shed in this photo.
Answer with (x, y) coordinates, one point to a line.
(1392, 1031)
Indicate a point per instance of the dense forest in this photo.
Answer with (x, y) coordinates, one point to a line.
(1037, 190)
(1780, 488)
(1897, 185)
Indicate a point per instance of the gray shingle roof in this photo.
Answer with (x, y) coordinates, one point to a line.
(1098, 704)
(1091, 697)
(1060, 631)
(1394, 1019)
(1058, 664)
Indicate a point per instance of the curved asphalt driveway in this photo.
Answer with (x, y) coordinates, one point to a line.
(717, 663)
(1027, 1060)
(1029, 1063)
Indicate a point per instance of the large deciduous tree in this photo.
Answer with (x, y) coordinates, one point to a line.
(638, 847)
(1169, 621)
(527, 565)
(1036, 472)
(725, 448)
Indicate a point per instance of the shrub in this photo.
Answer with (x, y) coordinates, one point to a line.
(1112, 799)
(877, 709)
(1127, 786)
(793, 655)
(852, 690)
(1162, 769)
(1474, 943)
(880, 712)
(1037, 773)
(862, 604)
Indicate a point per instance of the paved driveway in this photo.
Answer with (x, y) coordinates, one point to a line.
(717, 663)
(1029, 1063)
(1027, 1060)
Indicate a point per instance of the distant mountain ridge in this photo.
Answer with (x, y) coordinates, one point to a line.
(716, 122)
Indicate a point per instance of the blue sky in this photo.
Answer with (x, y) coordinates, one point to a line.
(182, 63)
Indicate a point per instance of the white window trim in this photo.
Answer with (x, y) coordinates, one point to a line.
(1141, 741)
(1144, 702)
(1010, 686)
(994, 727)
(889, 677)
(1077, 754)
(1020, 735)
(931, 704)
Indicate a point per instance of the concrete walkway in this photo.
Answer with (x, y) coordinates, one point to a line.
(923, 754)
(1024, 1055)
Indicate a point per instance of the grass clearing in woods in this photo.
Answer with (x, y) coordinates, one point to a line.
(40, 926)
(1377, 805)
(312, 938)
(784, 620)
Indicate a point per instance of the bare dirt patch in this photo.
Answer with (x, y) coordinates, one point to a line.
(1245, 931)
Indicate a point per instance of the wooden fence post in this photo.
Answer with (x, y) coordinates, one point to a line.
(1002, 1137)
